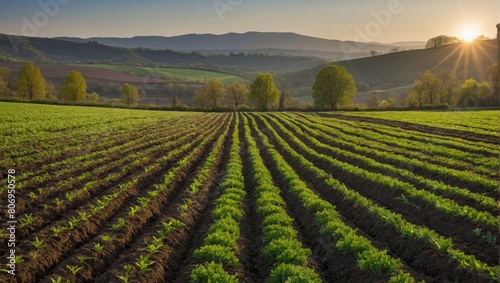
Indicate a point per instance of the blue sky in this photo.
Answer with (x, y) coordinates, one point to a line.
(364, 20)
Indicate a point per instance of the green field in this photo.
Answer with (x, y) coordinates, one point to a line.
(189, 75)
(119, 195)
(483, 122)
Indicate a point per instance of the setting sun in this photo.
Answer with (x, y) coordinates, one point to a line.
(469, 34)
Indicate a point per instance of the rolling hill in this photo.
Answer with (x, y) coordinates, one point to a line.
(402, 68)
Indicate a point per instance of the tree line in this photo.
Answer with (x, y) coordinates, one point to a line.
(333, 86)
(31, 85)
(446, 88)
(443, 90)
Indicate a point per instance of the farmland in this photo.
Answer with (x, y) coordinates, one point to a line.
(113, 195)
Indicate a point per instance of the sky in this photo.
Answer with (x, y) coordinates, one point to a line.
(360, 20)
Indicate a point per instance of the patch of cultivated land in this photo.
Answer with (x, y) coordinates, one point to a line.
(113, 195)
(57, 72)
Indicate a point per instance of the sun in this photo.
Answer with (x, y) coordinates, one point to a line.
(469, 34)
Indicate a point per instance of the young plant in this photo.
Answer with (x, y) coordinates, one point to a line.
(33, 254)
(37, 243)
(28, 219)
(84, 216)
(120, 222)
(74, 269)
(58, 202)
(73, 221)
(153, 247)
(82, 258)
(98, 247)
(128, 270)
(143, 262)
(134, 210)
(18, 259)
(143, 201)
(106, 238)
(58, 230)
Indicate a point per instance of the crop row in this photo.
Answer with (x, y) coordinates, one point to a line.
(482, 122)
(282, 245)
(220, 245)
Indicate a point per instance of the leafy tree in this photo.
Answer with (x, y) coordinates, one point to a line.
(428, 85)
(333, 86)
(238, 93)
(94, 97)
(200, 99)
(374, 100)
(130, 94)
(214, 90)
(417, 96)
(263, 91)
(176, 102)
(30, 82)
(442, 40)
(475, 94)
(74, 87)
(5, 77)
(51, 92)
(450, 86)
(494, 78)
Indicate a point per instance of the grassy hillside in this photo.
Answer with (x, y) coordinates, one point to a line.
(188, 75)
(56, 51)
(400, 69)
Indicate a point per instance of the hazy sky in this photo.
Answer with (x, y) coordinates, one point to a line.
(362, 20)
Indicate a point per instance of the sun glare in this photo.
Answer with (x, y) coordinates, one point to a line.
(469, 34)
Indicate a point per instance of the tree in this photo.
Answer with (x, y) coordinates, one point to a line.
(374, 100)
(214, 90)
(481, 37)
(429, 86)
(50, 92)
(263, 91)
(362, 86)
(74, 87)
(94, 97)
(417, 94)
(333, 86)
(238, 93)
(474, 94)
(30, 82)
(493, 78)
(373, 53)
(442, 40)
(200, 99)
(130, 94)
(5, 77)
(175, 102)
(450, 86)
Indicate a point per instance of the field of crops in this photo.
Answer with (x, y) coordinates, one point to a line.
(111, 195)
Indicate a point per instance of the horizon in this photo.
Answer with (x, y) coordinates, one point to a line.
(377, 21)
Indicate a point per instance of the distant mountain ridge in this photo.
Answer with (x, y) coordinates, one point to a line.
(248, 42)
(47, 50)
